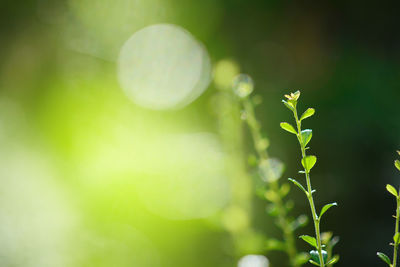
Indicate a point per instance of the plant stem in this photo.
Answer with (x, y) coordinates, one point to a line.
(309, 191)
(396, 245)
(262, 153)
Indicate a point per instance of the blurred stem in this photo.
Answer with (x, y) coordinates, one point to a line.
(396, 245)
(262, 153)
(309, 190)
(329, 250)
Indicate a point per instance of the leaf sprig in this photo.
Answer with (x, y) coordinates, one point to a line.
(396, 236)
(319, 257)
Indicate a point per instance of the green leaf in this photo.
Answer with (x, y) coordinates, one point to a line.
(289, 105)
(326, 207)
(313, 263)
(397, 164)
(398, 152)
(284, 190)
(298, 185)
(306, 136)
(326, 237)
(274, 244)
(384, 258)
(391, 190)
(301, 258)
(288, 127)
(309, 162)
(396, 238)
(271, 195)
(334, 260)
(308, 113)
(310, 240)
(272, 210)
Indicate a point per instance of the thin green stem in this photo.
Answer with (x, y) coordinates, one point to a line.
(396, 245)
(262, 153)
(309, 191)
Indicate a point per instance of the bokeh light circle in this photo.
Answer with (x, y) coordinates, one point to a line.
(225, 71)
(253, 261)
(163, 66)
(243, 85)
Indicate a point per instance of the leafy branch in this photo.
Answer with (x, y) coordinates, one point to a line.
(396, 236)
(319, 257)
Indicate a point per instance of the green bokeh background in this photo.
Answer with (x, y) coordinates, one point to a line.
(76, 153)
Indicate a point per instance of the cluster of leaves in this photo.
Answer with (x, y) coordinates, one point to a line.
(270, 170)
(396, 236)
(319, 256)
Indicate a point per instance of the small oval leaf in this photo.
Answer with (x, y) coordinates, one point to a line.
(298, 185)
(310, 240)
(272, 210)
(326, 207)
(308, 162)
(284, 190)
(326, 237)
(397, 164)
(391, 190)
(271, 195)
(274, 244)
(396, 238)
(308, 113)
(306, 136)
(289, 105)
(288, 127)
(301, 258)
(383, 257)
(313, 263)
(334, 260)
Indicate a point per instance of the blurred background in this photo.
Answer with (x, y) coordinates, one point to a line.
(121, 143)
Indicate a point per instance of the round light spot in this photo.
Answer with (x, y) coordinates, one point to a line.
(163, 66)
(224, 72)
(253, 261)
(243, 85)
